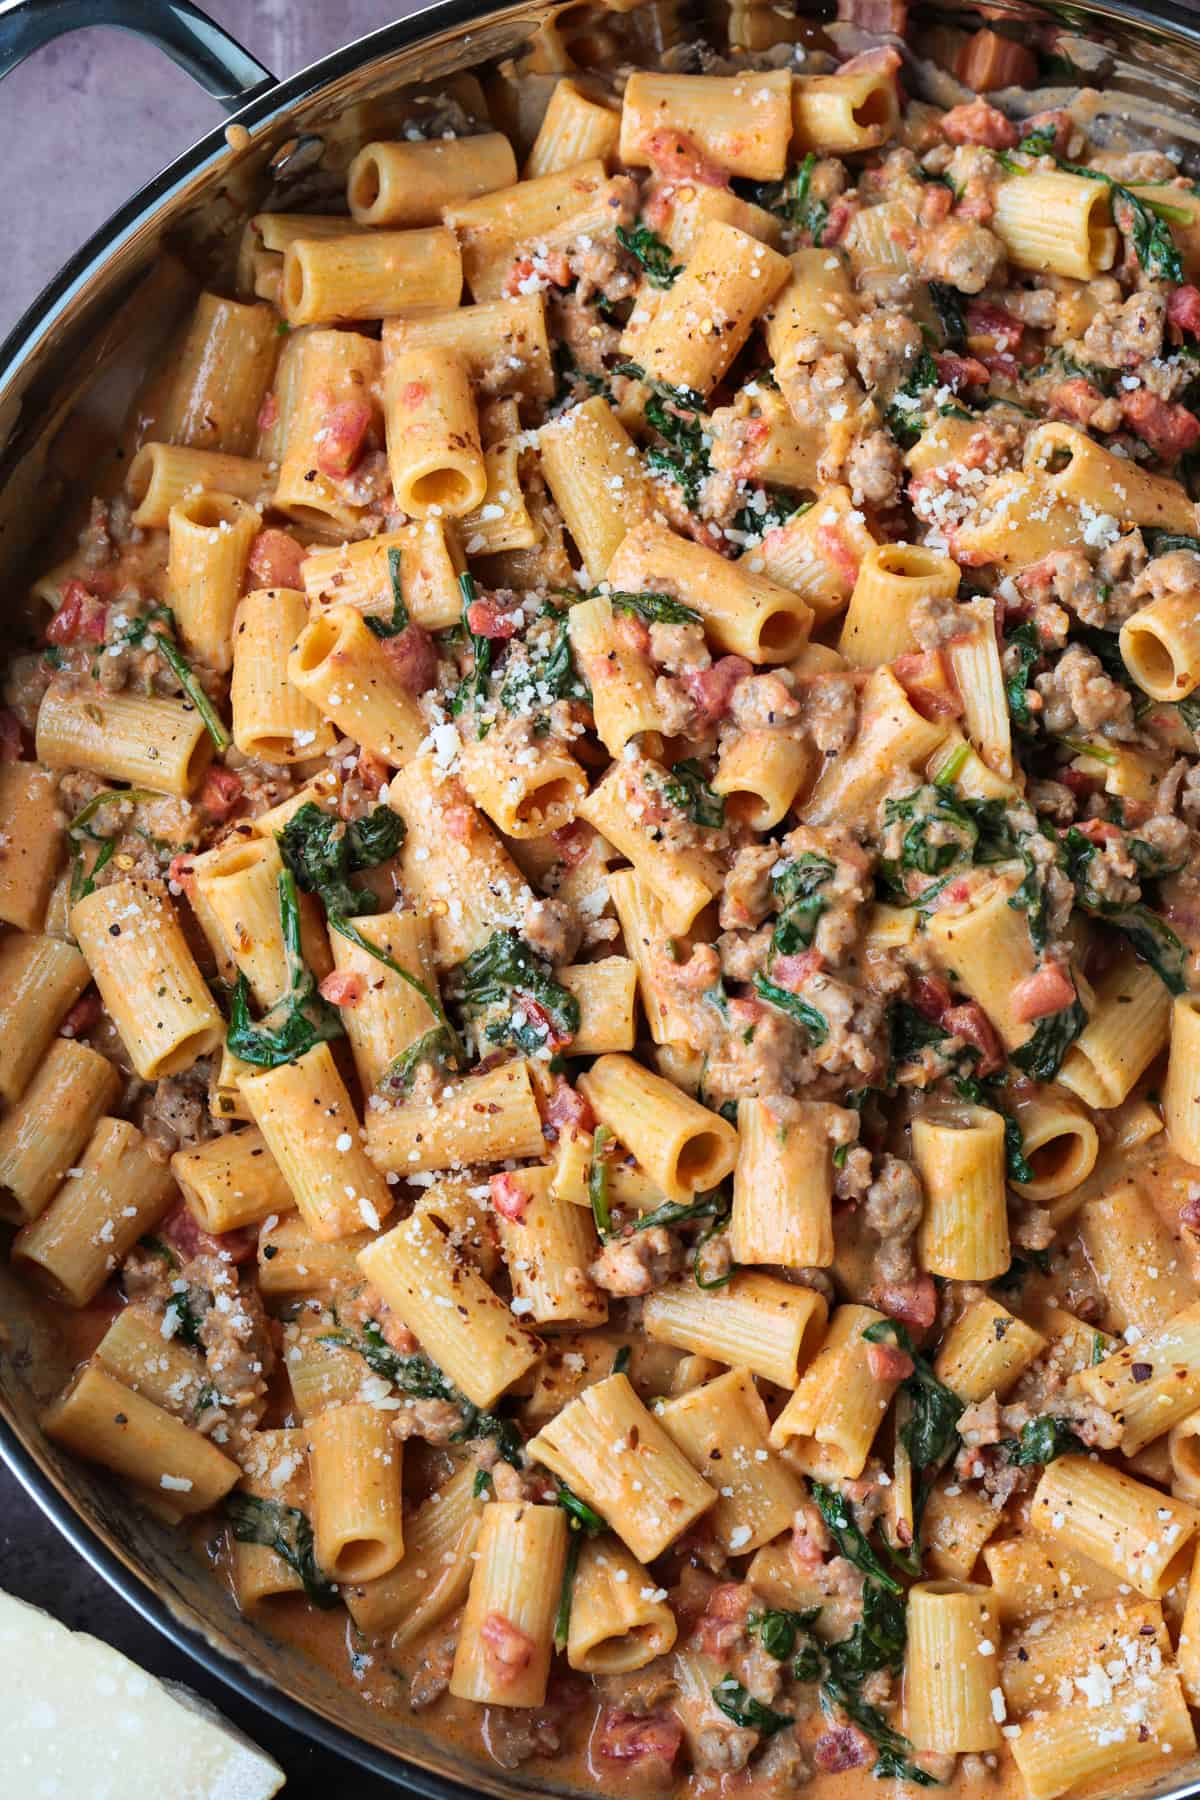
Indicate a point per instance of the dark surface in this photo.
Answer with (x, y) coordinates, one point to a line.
(37, 1565)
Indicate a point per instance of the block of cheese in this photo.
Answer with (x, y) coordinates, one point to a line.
(77, 1718)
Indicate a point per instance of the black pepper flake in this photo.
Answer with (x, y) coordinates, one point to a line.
(1141, 1371)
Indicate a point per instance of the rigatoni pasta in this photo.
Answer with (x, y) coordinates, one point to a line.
(597, 939)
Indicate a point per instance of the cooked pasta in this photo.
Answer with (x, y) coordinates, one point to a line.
(599, 985)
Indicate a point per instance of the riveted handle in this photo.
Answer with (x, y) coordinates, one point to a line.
(188, 36)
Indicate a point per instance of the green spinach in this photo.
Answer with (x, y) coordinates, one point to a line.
(286, 1531)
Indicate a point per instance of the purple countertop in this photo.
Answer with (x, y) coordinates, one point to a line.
(82, 125)
(86, 121)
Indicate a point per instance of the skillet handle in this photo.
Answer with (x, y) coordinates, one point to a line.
(188, 36)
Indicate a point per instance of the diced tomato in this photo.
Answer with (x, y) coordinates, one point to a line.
(80, 619)
(550, 267)
(179, 872)
(506, 1648)
(396, 1333)
(632, 633)
(220, 794)
(275, 559)
(927, 679)
(791, 972)
(509, 1198)
(679, 157)
(412, 659)
(833, 546)
(986, 319)
(1189, 1214)
(1099, 831)
(487, 618)
(882, 57)
(637, 1737)
(838, 222)
(371, 770)
(977, 122)
(711, 689)
(1002, 365)
(341, 436)
(572, 842)
(1048, 990)
(960, 372)
(932, 997)
(1183, 309)
(936, 203)
(568, 1107)
(912, 1302)
(343, 987)
(83, 1017)
(988, 61)
(887, 1363)
(969, 1022)
(843, 1747)
(181, 1230)
(459, 821)
(1167, 427)
(10, 736)
(875, 16)
(810, 1543)
(268, 412)
(724, 1618)
(1079, 781)
(1061, 122)
(1076, 399)
(537, 1015)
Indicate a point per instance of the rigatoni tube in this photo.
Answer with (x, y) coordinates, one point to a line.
(119, 1193)
(465, 1327)
(43, 1134)
(721, 1427)
(484, 1119)
(1136, 1532)
(310, 1127)
(615, 1455)
(433, 445)
(272, 718)
(340, 666)
(231, 1181)
(683, 1147)
(358, 1502)
(40, 977)
(830, 1422)
(620, 1619)
(148, 978)
(369, 275)
(702, 322)
(963, 1233)
(433, 1576)
(408, 183)
(758, 1322)
(1149, 1386)
(103, 1421)
(142, 739)
(783, 1185)
(1181, 1094)
(209, 541)
(745, 612)
(950, 1668)
(506, 1640)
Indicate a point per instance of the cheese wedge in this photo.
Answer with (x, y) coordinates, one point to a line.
(77, 1718)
